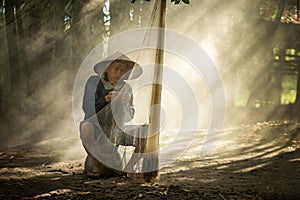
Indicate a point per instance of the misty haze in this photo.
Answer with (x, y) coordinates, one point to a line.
(225, 122)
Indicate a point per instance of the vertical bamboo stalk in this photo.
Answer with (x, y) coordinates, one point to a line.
(151, 161)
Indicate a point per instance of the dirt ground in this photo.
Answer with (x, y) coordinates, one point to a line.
(256, 161)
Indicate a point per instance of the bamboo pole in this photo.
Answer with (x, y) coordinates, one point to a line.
(152, 145)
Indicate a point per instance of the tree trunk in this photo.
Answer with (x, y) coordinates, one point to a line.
(77, 39)
(32, 35)
(23, 65)
(298, 9)
(12, 46)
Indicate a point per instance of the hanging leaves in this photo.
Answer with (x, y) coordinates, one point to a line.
(179, 1)
(186, 1)
(176, 2)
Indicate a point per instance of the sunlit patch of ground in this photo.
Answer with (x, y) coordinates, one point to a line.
(259, 161)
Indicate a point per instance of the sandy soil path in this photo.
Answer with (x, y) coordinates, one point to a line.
(260, 161)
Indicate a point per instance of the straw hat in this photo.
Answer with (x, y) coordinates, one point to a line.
(100, 67)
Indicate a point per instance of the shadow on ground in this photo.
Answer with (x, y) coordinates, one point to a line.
(259, 161)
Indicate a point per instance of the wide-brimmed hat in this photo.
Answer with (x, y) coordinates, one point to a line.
(100, 67)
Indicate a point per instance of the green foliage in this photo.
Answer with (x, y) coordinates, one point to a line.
(289, 88)
(186, 1)
(179, 1)
(176, 2)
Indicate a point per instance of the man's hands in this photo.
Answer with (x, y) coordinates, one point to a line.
(108, 97)
(124, 96)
